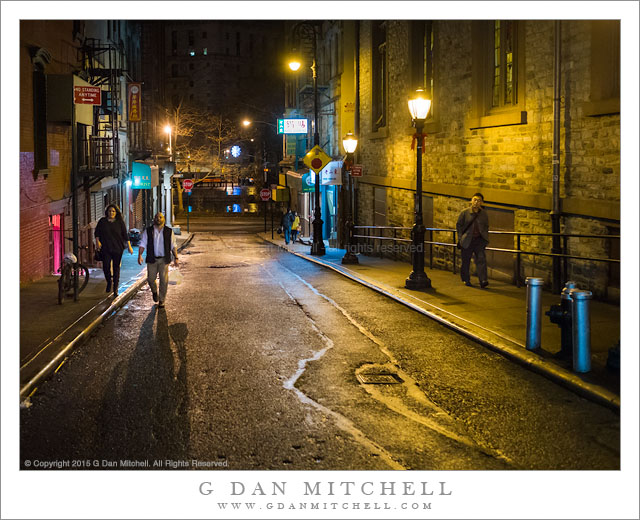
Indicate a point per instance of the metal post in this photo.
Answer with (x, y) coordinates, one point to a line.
(418, 279)
(188, 208)
(74, 189)
(534, 312)
(556, 211)
(581, 330)
(349, 257)
(317, 247)
(271, 207)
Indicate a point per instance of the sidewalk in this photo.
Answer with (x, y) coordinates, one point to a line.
(48, 331)
(495, 317)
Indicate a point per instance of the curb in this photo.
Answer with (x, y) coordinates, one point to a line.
(30, 386)
(509, 349)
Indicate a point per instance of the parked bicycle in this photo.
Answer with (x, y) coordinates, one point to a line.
(71, 266)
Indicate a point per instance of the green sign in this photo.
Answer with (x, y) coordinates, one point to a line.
(292, 142)
(308, 183)
(141, 176)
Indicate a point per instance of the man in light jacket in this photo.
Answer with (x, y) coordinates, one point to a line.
(473, 237)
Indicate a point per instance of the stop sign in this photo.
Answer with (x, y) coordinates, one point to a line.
(187, 184)
(265, 194)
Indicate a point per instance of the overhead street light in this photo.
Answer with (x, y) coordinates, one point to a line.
(419, 107)
(168, 130)
(309, 30)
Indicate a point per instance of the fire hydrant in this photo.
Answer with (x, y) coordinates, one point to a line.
(561, 315)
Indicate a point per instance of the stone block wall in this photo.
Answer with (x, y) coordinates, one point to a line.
(510, 164)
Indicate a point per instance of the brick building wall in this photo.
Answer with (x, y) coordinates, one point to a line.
(38, 192)
(511, 164)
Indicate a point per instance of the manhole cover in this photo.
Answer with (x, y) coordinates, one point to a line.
(379, 379)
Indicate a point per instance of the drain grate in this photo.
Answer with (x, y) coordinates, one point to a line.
(379, 379)
(227, 266)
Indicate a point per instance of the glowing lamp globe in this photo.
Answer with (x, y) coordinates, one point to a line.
(350, 143)
(419, 106)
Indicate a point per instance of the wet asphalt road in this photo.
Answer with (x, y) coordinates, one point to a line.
(254, 364)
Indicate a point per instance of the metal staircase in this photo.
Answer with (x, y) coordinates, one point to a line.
(103, 67)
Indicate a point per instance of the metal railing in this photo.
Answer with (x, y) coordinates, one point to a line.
(517, 251)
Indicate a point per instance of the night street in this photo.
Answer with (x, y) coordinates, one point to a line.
(342, 259)
(254, 363)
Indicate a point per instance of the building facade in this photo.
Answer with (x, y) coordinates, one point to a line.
(491, 129)
(65, 136)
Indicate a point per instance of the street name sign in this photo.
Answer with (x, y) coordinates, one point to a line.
(265, 194)
(316, 159)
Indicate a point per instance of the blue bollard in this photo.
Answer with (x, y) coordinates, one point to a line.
(581, 330)
(534, 312)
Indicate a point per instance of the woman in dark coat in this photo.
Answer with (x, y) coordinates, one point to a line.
(111, 239)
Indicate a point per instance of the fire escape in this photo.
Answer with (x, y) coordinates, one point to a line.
(99, 152)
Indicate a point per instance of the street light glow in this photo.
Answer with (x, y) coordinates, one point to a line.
(246, 122)
(167, 129)
(419, 106)
(294, 65)
(350, 143)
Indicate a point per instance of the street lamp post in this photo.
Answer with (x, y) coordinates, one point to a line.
(168, 130)
(310, 30)
(419, 107)
(350, 143)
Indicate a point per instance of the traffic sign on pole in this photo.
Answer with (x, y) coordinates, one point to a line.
(187, 184)
(265, 194)
(316, 159)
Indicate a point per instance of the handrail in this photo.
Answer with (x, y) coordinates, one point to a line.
(517, 252)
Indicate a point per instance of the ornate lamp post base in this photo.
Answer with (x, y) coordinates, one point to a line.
(417, 281)
(317, 246)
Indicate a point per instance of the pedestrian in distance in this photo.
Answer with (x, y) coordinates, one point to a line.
(473, 237)
(285, 223)
(295, 227)
(111, 239)
(159, 242)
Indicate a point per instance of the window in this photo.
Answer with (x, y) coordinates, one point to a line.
(174, 70)
(422, 42)
(498, 73)
(191, 40)
(605, 68)
(40, 58)
(379, 206)
(379, 74)
(204, 35)
(191, 83)
(237, 44)
(204, 51)
(503, 85)
(174, 42)
(190, 66)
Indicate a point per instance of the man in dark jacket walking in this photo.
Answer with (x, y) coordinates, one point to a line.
(473, 237)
